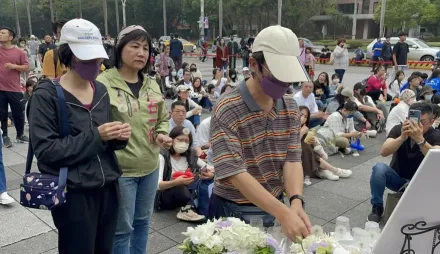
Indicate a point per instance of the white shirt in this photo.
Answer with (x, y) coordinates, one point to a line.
(338, 124)
(397, 116)
(180, 165)
(394, 90)
(308, 102)
(188, 85)
(202, 133)
(367, 101)
(218, 89)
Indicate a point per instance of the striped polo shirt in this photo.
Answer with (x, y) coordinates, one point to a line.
(244, 139)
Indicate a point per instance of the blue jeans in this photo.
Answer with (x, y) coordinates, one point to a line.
(135, 210)
(383, 176)
(320, 104)
(2, 170)
(340, 73)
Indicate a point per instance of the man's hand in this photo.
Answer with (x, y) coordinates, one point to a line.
(125, 132)
(367, 125)
(356, 134)
(206, 175)
(164, 141)
(416, 131)
(295, 222)
(406, 130)
(11, 66)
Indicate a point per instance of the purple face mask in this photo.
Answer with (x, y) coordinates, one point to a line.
(273, 87)
(88, 70)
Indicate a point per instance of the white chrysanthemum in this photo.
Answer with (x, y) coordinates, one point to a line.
(242, 237)
(317, 231)
(201, 234)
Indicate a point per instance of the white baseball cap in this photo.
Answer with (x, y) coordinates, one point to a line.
(281, 51)
(84, 39)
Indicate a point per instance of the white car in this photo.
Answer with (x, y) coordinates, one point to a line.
(418, 49)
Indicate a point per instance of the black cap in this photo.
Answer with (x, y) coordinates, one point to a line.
(358, 86)
(10, 30)
(403, 33)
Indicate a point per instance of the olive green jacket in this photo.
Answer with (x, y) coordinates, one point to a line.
(148, 116)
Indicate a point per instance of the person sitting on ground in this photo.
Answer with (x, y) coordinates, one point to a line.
(416, 74)
(187, 80)
(233, 78)
(213, 96)
(394, 87)
(360, 122)
(195, 73)
(305, 97)
(376, 85)
(400, 112)
(408, 142)
(244, 74)
(178, 117)
(414, 85)
(341, 124)
(313, 156)
(426, 94)
(185, 66)
(191, 107)
(218, 81)
(177, 191)
(171, 85)
(335, 86)
(376, 114)
(321, 90)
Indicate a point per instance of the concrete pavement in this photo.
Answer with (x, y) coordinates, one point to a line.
(24, 230)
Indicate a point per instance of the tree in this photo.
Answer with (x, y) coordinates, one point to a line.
(408, 12)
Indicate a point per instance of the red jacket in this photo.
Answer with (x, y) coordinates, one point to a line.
(221, 54)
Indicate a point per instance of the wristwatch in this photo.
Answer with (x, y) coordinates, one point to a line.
(297, 197)
(422, 143)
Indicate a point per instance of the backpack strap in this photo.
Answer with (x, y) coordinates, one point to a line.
(64, 131)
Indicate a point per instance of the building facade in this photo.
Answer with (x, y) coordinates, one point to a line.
(366, 27)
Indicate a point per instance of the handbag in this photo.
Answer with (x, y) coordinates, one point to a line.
(45, 191)
(392, 200)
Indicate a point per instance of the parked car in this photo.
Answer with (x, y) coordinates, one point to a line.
(316, 50)
(418, 49)
(187, 46)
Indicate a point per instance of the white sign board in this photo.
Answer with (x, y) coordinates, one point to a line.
(420, 202)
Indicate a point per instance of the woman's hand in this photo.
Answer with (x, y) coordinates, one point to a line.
(183, 180)
(110, 131)
(125, 132)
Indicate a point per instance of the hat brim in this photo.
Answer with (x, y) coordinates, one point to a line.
(286, 68)
(88, 52)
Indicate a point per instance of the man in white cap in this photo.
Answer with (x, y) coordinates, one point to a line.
(256, 140)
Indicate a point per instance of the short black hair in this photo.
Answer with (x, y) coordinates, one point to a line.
(417, 73)
(21, 39)
(66, 56)
(387, 37)
(425, 108)
(436, 99)
(436, 110)
(177, 103)
(403, 33)
(214, 71)
(10, 30)
(259, 58)
(424, 75)
(351, 106)
(186, 71)
(133, 36)
(58, 24)
(413, 77)
(184, 65)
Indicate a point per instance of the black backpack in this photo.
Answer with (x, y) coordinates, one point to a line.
(109, 49)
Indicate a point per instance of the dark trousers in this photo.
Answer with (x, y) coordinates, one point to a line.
(375, 94)
(177, 62)
(340, 73)
(375, 63)
(213, 62)
(387, 59)
(14, 100)
(232, 62)
(87, 222)
(174, 197)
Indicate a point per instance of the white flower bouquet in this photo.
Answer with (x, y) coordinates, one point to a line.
(316, 243)
(228, 235)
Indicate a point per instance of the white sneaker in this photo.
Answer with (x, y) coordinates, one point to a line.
(343, 173)
(5, 199)
(371, 133)
(327, 174)
(347, 151)
(188, 214)
(320, 150)
(355, 153)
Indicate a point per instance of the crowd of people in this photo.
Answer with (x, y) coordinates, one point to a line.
(272, 125)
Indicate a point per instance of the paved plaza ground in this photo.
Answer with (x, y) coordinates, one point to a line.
(25, 230)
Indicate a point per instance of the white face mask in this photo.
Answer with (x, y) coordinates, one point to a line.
(180, 147)
(173, 73)
(22, 44)
(336, 81)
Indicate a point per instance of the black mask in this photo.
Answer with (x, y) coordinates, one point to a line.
(193, 69)
(363, 92)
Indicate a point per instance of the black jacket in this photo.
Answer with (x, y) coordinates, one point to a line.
(91, 162)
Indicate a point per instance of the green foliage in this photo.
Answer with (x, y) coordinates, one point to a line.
(409, 13)
(355, 43)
